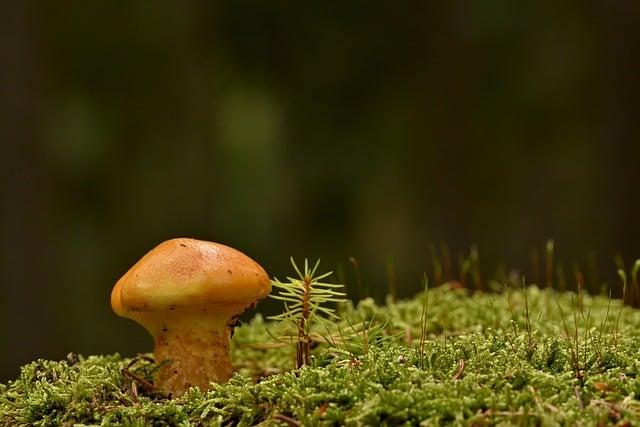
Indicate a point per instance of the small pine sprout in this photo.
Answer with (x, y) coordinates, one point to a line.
(305, 298)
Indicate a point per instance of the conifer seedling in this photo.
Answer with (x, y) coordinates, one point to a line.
(303, 299)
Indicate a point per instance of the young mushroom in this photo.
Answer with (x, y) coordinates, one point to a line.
(188, 294)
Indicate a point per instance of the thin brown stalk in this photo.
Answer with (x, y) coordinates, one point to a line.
(575, 361)
(287, 420)
(460, 370)
(535, 266)
(437, 265)
(531, 341)
(303, 348)
(391, 279)
(548, 265)
(476, 270)
(623, 276)
(423, 320)
(447, 267)
(356, 268)
(146, 384)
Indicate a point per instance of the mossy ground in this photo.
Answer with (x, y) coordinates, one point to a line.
(483, 363)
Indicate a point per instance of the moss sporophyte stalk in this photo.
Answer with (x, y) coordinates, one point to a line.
(525, 356)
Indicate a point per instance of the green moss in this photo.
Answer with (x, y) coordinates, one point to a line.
(480, 366)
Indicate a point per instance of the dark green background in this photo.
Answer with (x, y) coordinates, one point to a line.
(323, 130)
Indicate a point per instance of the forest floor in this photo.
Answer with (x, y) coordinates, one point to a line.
(538, 357)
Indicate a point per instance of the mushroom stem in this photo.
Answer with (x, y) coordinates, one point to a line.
(192, 357)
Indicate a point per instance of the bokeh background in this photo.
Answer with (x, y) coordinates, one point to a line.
(328, 130)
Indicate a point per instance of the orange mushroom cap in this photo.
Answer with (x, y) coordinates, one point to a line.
(182, 277)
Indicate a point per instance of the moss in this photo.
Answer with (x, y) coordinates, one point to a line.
(480, 366)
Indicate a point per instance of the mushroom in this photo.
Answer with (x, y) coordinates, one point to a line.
(188, 294)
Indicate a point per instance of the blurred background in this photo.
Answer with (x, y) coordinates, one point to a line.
(330, 130)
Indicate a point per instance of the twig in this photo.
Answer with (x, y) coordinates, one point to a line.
(290, 421)
(146, 384)
(460, 370)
